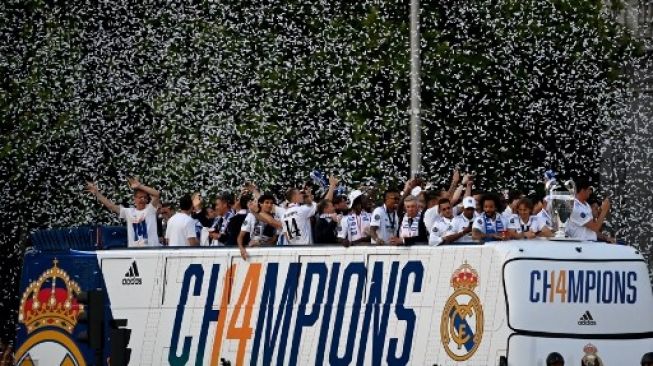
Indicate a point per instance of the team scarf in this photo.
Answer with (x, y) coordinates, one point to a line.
(490, 229)
(357, 222)
(409, 227)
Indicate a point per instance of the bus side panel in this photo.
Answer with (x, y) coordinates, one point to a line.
(285, 307)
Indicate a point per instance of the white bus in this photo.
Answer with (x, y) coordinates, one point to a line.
(508, 303)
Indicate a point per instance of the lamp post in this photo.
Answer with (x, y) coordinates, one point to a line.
(415, 124)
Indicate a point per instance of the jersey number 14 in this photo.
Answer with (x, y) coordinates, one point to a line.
(292, 229)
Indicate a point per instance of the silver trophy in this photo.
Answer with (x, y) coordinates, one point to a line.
(559, 205)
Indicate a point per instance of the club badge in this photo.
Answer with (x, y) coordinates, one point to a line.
(49, 312)
(461, 325)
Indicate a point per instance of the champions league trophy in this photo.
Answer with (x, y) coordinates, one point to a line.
(560, 202)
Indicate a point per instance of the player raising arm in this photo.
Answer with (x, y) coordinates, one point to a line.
(141, 219)
(297, 218)
(582, 225)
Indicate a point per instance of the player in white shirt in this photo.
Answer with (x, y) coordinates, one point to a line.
(489, 225)
(460, 228)
(525, 225)
(453, 194)
(443, 225)
(432, 214)
(355, 227)
(296, 219)
(141, 219)
(511, 208)
(180, 231)
(259, 232)
(385, 222)
(544, 216)
(581, 224)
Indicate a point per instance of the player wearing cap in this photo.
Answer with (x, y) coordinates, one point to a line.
(647, 359)
(355, 227)
(490, 224)
(385, 222)
(581, 224)
(525, 225)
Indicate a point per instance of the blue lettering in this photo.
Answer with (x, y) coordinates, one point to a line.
(406, 314)
(546, 286)
(210, 315)
(620, 287)
(353, 269)
(606, 293)
(535, 276)
(374, 302)
(304, 319)
(272, 336)
(326, 317)
(193, 271)
(599, 287)
(590, 284)
(576, 287)
(632, 297)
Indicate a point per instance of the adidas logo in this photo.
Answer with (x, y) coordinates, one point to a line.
(132, 277)
(586, 319)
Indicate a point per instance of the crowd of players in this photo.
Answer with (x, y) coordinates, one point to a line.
(416, 214)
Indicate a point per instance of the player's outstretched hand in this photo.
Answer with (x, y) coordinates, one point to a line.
(333, 180)
(133, 182)
(91, 187)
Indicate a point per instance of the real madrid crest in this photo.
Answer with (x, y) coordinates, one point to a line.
(461, 325)
(49, 312)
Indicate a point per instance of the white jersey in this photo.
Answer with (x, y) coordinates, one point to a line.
(581, 214)
(460, 223)
(486, 224)
(441, 227)
(296, 222)
(277, 213)
(256, 228)
(543, 216)
(409, 227)
(386, 222)
(141, 226)
(430, 216)
(180, 228)
(508, 215)
(534, 224)
(354, 227)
